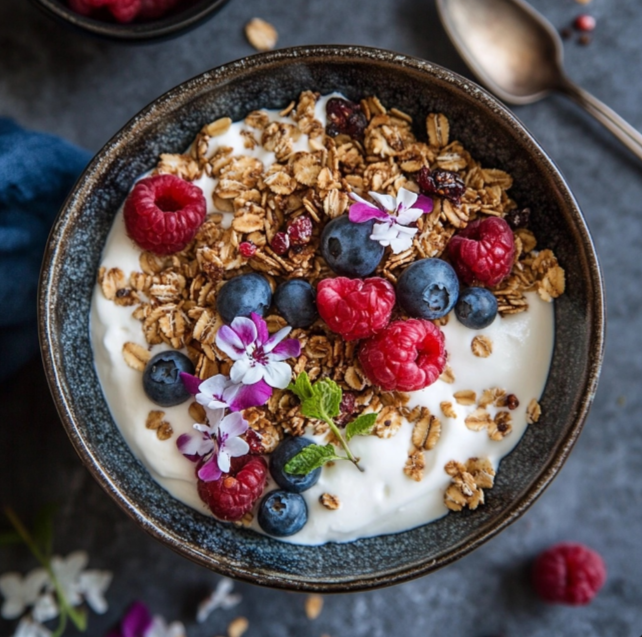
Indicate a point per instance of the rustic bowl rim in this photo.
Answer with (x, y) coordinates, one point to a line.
(344, 53)
(135, 33)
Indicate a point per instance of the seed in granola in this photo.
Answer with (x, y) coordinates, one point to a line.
(247, 249)
(345, 118)
(512, 401)
(261, 34)
(300, 230)
(518, 217)
(280, 243)
(329, 501)
(446, 183)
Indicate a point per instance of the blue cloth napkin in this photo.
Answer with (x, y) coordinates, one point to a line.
(37, 172)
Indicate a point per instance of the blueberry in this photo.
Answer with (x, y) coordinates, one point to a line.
(243, 295)
(283, 454)
(282, 513)
(162, 381)
(296, 302)
(348, 248)
(428, 289)
(476, 308)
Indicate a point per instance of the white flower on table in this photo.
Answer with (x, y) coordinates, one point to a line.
(27, 627)
(160, 628)
(21, 592)
(221, 597)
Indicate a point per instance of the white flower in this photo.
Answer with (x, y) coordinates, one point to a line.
(45, 608)
(160, 628)
(19, 593)
(92, 585)
(219, 598)
(29, 628)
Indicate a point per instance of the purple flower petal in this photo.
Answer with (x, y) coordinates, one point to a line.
(424, 203)
(261, 327)
(191, 383)
(245, 329)
(233, 425)
(137, 621)
(289, 348)
(275, 339)
(245, 396)
(360, 213)
(210, 471)
(228, 341)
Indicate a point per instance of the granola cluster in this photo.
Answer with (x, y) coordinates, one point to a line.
(174, 297)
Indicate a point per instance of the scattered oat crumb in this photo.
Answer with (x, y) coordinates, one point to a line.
(330, 501)
(479, 419)
(493, 396)
(261, 34)
(482, 346)
(155, 421)
(197, 413)
(465, 397)
(237, 627)
(426, 432)
(500, 426)
(447, 409)
(583, 1)
(415, 465)
(136, 356)
(218, 127)
(533, 412)
(447, 375)
(313, 606)
(468, 483)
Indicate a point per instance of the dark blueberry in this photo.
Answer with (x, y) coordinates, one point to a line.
(476, 308)
(283, 454)
(162, 378)
(282, 513)
(428, 289)
(446, 183)
(296, 302)
(243, 295)
(348, 248)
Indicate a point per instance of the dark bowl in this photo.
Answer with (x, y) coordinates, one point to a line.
(173, 24)
(169, 124)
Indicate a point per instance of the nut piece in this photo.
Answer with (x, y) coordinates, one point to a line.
(136, 356)
(155, 421)
(237, 627)
(329, 501)
(482, 346)
(465, 397)
(533, 411)
(261, 34)
(313, 605)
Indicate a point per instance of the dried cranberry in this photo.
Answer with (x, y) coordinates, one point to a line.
(345, 117)
(300, 230)
(247, 249)
(253, 439)
(517, 218)
(346, 409)
(512, 402)
(280, 243)
(445, 183)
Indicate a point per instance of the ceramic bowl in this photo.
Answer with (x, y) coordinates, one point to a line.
(271, 80)
(175, 23)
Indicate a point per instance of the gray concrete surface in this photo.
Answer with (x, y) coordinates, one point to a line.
(64, 83)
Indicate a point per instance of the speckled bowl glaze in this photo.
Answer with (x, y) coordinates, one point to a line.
(169, 124)
(175, 23)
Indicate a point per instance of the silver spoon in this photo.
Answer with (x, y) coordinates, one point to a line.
(518, 54)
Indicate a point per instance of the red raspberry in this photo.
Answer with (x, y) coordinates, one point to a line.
(569, 573)
(355, 308)
(234, 494)
(280, 243)
(585, 22)
(124, 10)
(483, 252)
(247, 249)
(300, 231)
(406, 356)
(152, 9)
(82, 7)
(163, 213)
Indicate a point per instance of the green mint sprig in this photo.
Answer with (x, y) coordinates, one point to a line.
(323, 402)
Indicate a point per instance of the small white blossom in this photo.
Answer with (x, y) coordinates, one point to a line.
(19, 593)
(220, 598)
(30, 628)
(160, 628)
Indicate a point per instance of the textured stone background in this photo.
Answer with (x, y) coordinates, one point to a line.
(64, 83)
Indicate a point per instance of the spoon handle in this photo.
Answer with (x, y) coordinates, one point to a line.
(630, 137)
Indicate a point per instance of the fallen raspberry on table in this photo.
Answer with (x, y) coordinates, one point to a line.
(355, 308)
(234, 494)
(569, 573)
(406, 356)
(483, 252)
(163, 213)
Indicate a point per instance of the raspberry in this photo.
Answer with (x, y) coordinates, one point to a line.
(163, 213)
(355, 308)
(406, 356)
(483, 252)
(124, 10)
(300, 231)
(585, 22)
(234, 494)
(446, 183)
(247, 249)
(153, 9)
(82, 7)
(280, 243)
(569, 573)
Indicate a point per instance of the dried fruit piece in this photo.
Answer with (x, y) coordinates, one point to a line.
(247, 249)
(280, 243)
(300, 230)
(345, 118)
(446, 183)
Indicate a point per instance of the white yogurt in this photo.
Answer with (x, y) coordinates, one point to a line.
(382, 499)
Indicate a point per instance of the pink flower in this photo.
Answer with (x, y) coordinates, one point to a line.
(395, 216)
(257, 355)
(219, 392)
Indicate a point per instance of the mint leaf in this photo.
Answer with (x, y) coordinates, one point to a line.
(43, 530)
(330, 394)
(310, 458)
(302, 387)
(361, 426)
